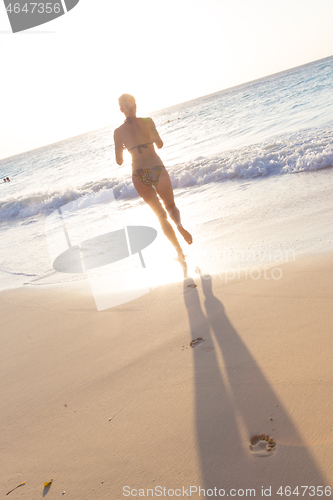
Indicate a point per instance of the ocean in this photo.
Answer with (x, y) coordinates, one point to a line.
(251, 168)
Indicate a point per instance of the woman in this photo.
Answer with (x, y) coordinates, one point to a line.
(138, 135)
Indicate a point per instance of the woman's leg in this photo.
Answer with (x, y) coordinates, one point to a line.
(148, 194)
(165, 191)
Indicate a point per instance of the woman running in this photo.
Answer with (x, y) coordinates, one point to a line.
(138, 136)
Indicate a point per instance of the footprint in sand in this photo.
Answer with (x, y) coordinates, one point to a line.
(263, 445)
(194, 343)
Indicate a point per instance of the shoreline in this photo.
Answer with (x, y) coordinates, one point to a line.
(230, 221)
(262, 265)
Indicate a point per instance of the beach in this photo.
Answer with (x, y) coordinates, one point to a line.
(112, 403)
(125, 374)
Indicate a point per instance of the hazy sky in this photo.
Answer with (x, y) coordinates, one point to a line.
(63, 78)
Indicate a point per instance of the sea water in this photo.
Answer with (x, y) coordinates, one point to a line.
(250, 167)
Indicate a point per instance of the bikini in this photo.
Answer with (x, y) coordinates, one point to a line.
(149, 176)
(141, 146)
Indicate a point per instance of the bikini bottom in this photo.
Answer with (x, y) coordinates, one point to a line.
(149, 176)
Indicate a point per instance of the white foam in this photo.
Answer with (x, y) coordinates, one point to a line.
(305, 151)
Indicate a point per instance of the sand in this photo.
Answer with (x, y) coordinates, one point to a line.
(100, 401)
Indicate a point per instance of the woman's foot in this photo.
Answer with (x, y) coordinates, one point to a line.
(185, 234)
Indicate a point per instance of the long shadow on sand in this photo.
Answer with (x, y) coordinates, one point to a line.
(234, 403)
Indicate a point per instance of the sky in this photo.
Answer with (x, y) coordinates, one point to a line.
(63, 78)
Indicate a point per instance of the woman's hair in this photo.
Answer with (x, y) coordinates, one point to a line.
(127, 102)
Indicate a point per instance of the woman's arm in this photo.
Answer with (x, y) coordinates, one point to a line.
(118, 147)
(154, 134)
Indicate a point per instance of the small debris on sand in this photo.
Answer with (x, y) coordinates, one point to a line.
(16, 487)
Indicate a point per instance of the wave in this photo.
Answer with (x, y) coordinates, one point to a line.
(305, 151)
(301, 152)
(45, 202)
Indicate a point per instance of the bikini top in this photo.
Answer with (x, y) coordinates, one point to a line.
(141, 146)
